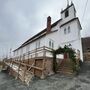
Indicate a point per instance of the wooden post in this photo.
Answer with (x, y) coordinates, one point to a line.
(10, 68)
(34, 68)
(25, 69)
(28, 57)
(18, 70)
(23, 58)
(43, 65)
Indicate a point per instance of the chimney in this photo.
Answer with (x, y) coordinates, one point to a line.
(48, 24)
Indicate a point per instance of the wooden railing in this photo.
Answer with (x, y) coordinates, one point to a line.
(39, 52)
(31, 61)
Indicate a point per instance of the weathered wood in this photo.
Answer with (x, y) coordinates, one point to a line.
(65, 67)
(18, 71)
(30, 66)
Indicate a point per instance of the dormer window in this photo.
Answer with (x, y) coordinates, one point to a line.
(66, 14)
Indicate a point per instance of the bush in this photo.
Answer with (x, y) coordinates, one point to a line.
(72, 57)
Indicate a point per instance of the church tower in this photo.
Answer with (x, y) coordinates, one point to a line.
(68, 13)
(70, 29)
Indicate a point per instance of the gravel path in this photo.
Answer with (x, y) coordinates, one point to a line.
(55, 82)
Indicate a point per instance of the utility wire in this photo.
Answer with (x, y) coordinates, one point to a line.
(84, 11)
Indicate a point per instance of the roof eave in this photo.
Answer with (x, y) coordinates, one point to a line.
(43, 31)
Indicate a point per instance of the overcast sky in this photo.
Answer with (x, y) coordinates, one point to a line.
(21, 19)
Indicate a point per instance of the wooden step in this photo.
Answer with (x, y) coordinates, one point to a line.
(66, 70)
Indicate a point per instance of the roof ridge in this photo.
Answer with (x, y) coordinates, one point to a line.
(41, 32)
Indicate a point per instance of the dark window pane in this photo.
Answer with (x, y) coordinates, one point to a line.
(68, 29)
(66, 13)
(65, 31)
(49, 43)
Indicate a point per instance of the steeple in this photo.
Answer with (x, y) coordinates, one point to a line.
(67, 3)
(71, 2)
(69, 12)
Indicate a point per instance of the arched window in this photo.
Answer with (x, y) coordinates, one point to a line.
(65, 31)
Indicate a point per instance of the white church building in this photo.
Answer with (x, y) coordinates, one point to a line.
(65, 31)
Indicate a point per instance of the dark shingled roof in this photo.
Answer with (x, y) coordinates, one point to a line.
(44, 32)
(39, 35)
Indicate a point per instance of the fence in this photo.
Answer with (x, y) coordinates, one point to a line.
(39, 52)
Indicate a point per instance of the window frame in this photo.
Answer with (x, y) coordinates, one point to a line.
(69, 29)
(37, 44)
(65, 31)
(66, 13)
(51, 43)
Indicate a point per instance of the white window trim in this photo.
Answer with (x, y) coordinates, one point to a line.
(37, 44)
(67, 30)
(52, 43)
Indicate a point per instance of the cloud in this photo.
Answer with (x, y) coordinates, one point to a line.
(21, 19)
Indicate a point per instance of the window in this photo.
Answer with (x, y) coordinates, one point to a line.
(38, 44)
(66, 14)
(51, 43)
(17, 53)
(68, 29)
(65, 31)
(21, 52)
(27, 48)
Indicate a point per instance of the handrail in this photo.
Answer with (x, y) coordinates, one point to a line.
(37, 50)
(43, 49)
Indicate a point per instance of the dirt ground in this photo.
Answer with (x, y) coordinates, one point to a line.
(55, 82)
